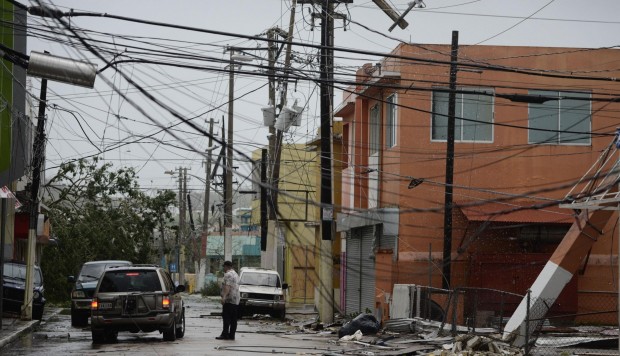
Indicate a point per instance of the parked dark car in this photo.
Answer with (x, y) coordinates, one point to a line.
(14, 288)
(137, 298)
(84, 287)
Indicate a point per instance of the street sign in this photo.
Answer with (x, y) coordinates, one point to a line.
(173, 267)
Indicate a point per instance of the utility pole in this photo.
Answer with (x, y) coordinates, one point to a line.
(183, 229)
(276, 148)
(263, 201)
(205, 213)
(326, 306)
(447, 225)
(179, 251)
(37, 160)
(228, 182)
(269, 256)
(228, 170)
(162, 249)
(63, 70)
(326, 293)
(180, 228)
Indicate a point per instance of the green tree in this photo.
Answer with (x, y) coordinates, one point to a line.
(98, 213)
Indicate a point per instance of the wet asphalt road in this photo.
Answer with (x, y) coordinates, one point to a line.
(56, 336)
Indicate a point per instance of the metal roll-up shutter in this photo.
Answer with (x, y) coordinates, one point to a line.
(367, 258)
(352, 293)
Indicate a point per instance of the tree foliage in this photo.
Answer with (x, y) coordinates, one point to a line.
(98, 213)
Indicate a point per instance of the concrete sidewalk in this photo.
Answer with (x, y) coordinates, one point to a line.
(13, 328)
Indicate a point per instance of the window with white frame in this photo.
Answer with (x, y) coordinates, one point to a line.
(473, 115)
(565, 121)
(374, 135)
(390, 129)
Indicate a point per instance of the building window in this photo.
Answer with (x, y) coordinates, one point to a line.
(562, 121)
(346, 158)
(473, 116)
(375, 130)
(390, 131)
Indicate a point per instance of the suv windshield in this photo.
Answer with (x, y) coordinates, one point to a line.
(260, 279)
(130, 281)
(18, 271)
(92, 272)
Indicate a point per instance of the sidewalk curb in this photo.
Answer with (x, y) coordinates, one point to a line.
(22, 330)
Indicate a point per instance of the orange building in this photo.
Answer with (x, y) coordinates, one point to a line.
(529, 124)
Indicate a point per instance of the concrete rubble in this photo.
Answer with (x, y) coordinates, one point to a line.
(417, 336)
(421, 339)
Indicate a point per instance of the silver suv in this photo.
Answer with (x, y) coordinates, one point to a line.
(261, 292)
(137, 298)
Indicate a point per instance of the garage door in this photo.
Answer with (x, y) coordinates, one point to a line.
(360, 292)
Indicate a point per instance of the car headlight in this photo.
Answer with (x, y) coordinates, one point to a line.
(37, 295)
(78, 294)
(276, 298)
(244, 295)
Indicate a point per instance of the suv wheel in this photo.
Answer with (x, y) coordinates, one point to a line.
(170, 332)
(111, 335)
(280, 314)
(180, 331)
(98, 336)
(78, 318)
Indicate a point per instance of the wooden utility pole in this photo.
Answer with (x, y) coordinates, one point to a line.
(326, 307)
(205, 207)
(277, 148)
(326, 290)
(180, 263)
(263, 201)
(447, 225)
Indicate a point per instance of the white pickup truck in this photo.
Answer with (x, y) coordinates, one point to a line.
(261, 292)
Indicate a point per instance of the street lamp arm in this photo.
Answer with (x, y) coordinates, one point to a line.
(14, 56)
(42, 11)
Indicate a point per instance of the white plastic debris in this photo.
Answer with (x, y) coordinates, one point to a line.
(355, 336)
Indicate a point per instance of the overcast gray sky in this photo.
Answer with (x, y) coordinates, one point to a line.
(107, 119)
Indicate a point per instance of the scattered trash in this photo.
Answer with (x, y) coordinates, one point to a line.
(467, 344)
(355, 336)
(367, 323)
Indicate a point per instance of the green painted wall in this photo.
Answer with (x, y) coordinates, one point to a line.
(6, 89)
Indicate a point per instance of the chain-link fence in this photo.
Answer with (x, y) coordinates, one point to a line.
(591, 327)
(586, 324)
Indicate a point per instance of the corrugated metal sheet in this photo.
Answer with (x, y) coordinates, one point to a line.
(368, 269)
(516, 213)
(354, 246)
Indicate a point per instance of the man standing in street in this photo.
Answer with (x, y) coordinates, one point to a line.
(230, 302)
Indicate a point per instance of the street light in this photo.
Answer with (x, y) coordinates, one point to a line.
(59, 69)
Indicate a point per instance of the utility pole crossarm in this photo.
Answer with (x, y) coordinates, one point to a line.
(383, 5)
(318, 2)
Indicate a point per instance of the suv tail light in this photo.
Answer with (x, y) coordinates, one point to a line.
(165, 302)
(94, 304)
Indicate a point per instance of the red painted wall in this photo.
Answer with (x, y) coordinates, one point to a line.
(482, 171)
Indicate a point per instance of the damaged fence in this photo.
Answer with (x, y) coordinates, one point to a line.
(587, 320)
